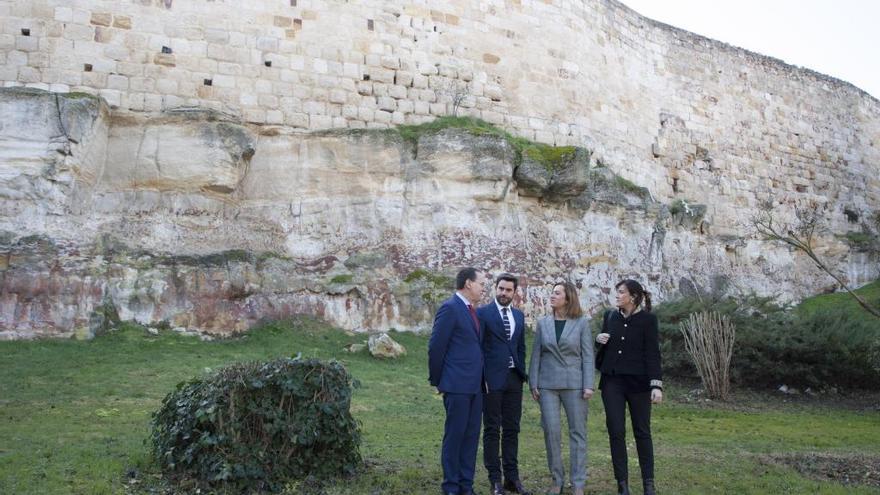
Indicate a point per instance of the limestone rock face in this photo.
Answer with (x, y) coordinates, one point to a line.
(568, 180)
(198, 221)
(183, 151)
(52, 150)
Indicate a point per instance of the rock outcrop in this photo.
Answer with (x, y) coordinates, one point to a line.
(203, 222)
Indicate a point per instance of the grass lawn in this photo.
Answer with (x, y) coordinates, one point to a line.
(74, 417)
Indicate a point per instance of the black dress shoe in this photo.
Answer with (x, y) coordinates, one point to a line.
(623, 488)
(648, 484)
(516, 487)
(497, 489)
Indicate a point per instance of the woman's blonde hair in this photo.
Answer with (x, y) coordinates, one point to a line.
(572, 308)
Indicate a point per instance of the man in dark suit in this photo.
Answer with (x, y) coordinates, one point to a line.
(455, 367)
(504, 350)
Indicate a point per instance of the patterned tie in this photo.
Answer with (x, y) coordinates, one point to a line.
(508, 331)
(506, 323)
(474, 316)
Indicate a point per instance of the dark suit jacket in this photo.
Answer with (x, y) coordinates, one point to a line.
(497, 350)
(455, 359)
(633, 347)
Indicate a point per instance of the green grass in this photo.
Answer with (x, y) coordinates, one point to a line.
(869, 292)
(75, 417)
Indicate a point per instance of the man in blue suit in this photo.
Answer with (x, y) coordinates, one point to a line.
(504, 349)
(455, 367)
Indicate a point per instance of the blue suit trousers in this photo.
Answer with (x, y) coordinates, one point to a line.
(461, 437)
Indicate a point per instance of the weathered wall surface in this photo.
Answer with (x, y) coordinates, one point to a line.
(166, 184)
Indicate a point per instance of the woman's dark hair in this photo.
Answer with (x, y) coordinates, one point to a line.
(572, 302)
(638, 293)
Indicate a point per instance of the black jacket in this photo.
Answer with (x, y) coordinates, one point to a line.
(633, 348)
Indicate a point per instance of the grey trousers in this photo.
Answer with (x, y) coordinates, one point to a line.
(552, 402)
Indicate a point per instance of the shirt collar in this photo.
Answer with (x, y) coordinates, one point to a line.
(463, 299)
(500, 307)
(638, 309)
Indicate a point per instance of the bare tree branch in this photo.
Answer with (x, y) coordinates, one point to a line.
(801, 236)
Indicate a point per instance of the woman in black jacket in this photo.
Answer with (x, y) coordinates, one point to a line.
(629, 357)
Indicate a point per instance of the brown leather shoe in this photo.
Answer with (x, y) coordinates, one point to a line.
(516, 486)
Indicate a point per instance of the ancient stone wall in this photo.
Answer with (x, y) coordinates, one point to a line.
(715, 118)
(256, 127)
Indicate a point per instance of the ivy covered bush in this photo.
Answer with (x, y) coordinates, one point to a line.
(254, 426)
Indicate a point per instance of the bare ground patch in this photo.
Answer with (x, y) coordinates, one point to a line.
(844, 469)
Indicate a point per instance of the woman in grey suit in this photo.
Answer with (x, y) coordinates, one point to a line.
(561, 377)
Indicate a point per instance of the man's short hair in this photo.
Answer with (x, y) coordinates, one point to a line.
(507, 277)
(465, 274)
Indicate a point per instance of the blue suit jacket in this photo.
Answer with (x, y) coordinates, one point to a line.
(497, 350)
(455, 359)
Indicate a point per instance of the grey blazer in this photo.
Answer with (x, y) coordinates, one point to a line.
(566, 365)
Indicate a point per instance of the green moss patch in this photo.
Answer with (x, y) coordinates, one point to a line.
(551, 157)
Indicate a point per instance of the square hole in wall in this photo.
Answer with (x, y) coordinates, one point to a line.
(293, 3)
(370, 24)
(166, 49)
(87, 67)
(366, 77)
(208, 82)
(25, 31)
(268, 63)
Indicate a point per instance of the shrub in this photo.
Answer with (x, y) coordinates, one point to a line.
(776, 345)
(819, 350)
(253, 426)
(709, 338)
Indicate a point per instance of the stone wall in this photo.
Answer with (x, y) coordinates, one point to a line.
(225, 125)
(591, 73)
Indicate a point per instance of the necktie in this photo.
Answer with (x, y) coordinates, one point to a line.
(506, 323)
(474, 316)
(508, 331)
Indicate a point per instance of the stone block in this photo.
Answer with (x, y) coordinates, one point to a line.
(27, 43)
(63, 14)
(115, 81)
(274, 117)
(255, 115)
(398, 92)
(79, 32)
(318, 121)
(166, 59)
(382, 116)
(101, 19)
(365, 113)
(351, 70)
(419, 81)
(387, 103)
(389, 62)
(338, 96)
(223, 81)
(122, 21)
(166, 86)
(298, 119)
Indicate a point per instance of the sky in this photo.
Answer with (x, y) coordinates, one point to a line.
(840, 38)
